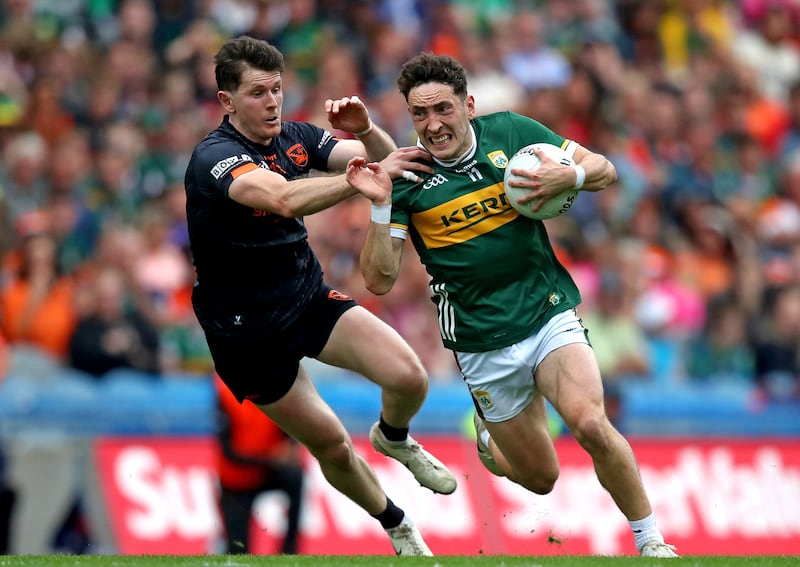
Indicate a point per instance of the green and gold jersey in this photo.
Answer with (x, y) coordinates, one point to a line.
(495, 279)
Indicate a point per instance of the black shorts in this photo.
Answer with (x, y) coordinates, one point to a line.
(263, 368)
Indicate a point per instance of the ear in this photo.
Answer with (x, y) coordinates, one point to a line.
(226, 100)
(470, 102)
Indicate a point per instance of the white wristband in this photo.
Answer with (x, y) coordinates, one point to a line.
(580, 175)
(381, 214)
(365, 131)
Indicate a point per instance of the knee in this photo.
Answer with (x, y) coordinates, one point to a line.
(593, 433)
(539, 482)
(411, 379)
(336, 452)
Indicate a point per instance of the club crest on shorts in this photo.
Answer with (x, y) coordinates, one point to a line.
(484, 399)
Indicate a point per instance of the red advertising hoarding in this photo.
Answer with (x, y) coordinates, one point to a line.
(731, 497)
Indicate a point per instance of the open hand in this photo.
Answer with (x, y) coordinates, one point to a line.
(411, 159)
(348, 114)
(369, 179)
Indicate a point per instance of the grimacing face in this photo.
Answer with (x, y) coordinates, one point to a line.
(255, 107)
(441, 119)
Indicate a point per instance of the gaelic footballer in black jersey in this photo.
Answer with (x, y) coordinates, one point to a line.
(256, 273)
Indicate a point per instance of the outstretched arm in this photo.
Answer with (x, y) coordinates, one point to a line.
(381, 254)
(269, 191)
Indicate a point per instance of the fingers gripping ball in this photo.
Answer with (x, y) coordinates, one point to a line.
(526, 159)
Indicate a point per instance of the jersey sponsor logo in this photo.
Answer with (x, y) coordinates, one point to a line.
(471, 170)
(435, 181)
(298, 154)
(225, 165)
(276, 167)
(465, 217)
(326, 137)
(467, 167)
(484, 398)
(337, 295)
(271, 163)
(498, 158)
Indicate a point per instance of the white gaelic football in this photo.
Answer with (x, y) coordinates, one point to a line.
(526, 159)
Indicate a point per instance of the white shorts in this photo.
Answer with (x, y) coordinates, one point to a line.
(501, 381)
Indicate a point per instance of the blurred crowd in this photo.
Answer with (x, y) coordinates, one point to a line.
(689, 265)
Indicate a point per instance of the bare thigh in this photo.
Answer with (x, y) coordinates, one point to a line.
(363, 343)
(570, 379)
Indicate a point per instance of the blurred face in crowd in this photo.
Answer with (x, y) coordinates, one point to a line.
(441, 119)
(39, 256)
(255, 106)
(109, 288)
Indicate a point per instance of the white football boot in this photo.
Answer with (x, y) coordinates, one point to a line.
(657, 548)
(407, 541)
(426, 468)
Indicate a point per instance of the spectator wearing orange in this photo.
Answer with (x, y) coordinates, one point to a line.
(255, 456)
(37, 302)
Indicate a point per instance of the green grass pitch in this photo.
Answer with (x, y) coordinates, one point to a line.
(384, 561)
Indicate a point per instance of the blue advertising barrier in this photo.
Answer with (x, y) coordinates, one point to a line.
(131, 403)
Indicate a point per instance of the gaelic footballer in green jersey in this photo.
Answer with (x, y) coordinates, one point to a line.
(506, 305)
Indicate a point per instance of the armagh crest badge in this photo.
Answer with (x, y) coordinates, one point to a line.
(297, 153)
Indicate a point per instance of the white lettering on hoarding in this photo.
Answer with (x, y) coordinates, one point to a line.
(166, 500)
(732, 499)
(704, 491)
(328, 510)
(577, 507)
(269, 511)
(437, 515)
(722, 494)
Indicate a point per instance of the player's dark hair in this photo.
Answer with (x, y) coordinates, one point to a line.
(430, 68)
(237, 54)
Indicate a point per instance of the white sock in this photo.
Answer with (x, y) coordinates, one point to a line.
(485, 437)
(645, 530)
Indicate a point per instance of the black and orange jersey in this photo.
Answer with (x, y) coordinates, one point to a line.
(255, 269)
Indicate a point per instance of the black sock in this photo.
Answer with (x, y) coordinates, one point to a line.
(392, 433)
(391, 517)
